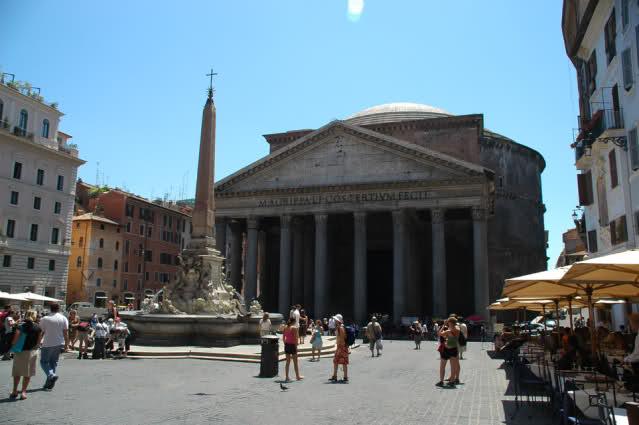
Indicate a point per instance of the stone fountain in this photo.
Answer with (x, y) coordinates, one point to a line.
(199, 307)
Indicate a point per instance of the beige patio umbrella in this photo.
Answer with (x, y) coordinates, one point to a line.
(609, 276)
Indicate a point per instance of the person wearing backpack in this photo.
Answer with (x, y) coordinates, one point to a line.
(463, 339)
(374, 334)
(341, 351)
(25, 349)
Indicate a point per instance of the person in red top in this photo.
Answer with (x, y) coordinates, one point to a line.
(291, 338)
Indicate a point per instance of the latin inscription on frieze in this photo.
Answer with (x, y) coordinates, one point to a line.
(341, 198)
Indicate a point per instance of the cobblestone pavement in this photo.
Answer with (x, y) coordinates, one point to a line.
(396, 388)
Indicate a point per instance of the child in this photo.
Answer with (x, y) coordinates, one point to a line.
(316, 340)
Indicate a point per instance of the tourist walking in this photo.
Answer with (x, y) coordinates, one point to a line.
(463, 339)
(101, 332)
(112, 311)
(341, 351)
(25, 349)
(55, 340)
(448, 349)
(303, 326)
(6, 332)
(291, 338)
(374, 335)
(265, 325)
(316, 341)
(331, 326)
(84, 331)
(74, 322)
(417, 334)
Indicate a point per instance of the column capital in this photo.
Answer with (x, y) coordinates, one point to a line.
(321, 218)
(437, 215)
(252, 222)
(285, 220)
(478, 213)
(397, 214)
(359, 216)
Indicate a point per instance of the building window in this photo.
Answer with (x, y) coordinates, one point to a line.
(125, 284)
(17, 170)
(584, 183)
(128, 227)
(610, 35)
(624, 14)
(626, 65)
(51, 265)
(37, 201)
(55, 234)
(57, 207)
(129, 210)
(78, 261)
(612, 160)
(98, 282)
(618, 230)
(40, 177)
(81, 242)
(149, 232)
(127, 246)
(146, 276)
(141, 229)
(14, 197)
(99, 262)
(101, 226)
(115, 264)
(126, 267)
(117, 245)
(34, 233)
(115, 283)
(31, 263)
(101, 243)
(6, 261)
(139, 284)
(148, 255)
(139, 268)
(24, 120)
(11, 228)
(60, 185)
(45, 128)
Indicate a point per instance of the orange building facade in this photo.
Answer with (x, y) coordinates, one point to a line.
(150, 234)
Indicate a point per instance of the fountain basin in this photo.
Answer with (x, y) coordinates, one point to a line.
(195, 329)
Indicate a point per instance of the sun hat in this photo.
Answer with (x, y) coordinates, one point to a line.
(339, 318)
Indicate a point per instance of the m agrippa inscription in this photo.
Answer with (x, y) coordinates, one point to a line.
(338, 198)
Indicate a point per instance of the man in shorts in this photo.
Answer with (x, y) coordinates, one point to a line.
(374, 335)
(84, 330)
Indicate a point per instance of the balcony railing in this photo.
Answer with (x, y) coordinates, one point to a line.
(21, 132)
(601, 121)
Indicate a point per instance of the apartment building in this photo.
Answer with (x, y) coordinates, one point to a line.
(38, 169)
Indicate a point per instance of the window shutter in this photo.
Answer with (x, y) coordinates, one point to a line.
(613, 232)
(626, 63)
(622, 230)
(612, 160)
(584, 183)
(592, 241)
(634, 148)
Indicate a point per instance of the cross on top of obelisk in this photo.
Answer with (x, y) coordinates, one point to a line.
(211, 82)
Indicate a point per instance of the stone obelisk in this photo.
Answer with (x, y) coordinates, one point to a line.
(204, 210)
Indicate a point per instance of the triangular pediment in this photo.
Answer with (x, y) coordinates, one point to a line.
(340, 153)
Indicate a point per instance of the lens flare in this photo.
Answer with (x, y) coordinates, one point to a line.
(355, 9)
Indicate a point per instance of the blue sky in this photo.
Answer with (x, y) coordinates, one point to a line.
(130, 77)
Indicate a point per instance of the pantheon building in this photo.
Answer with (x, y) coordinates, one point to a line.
(400, 209)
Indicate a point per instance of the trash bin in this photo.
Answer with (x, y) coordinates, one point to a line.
(269, 359)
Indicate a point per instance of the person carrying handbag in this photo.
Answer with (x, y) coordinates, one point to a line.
(25, 349)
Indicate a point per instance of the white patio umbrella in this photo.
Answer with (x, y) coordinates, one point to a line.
(29, 296)
(12, 297)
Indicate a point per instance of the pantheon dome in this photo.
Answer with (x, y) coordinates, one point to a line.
(396, 112)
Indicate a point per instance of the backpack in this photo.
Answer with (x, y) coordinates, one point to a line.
(351, 334)
(462, 338)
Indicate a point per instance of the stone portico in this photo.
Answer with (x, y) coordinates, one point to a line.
(346, 219)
